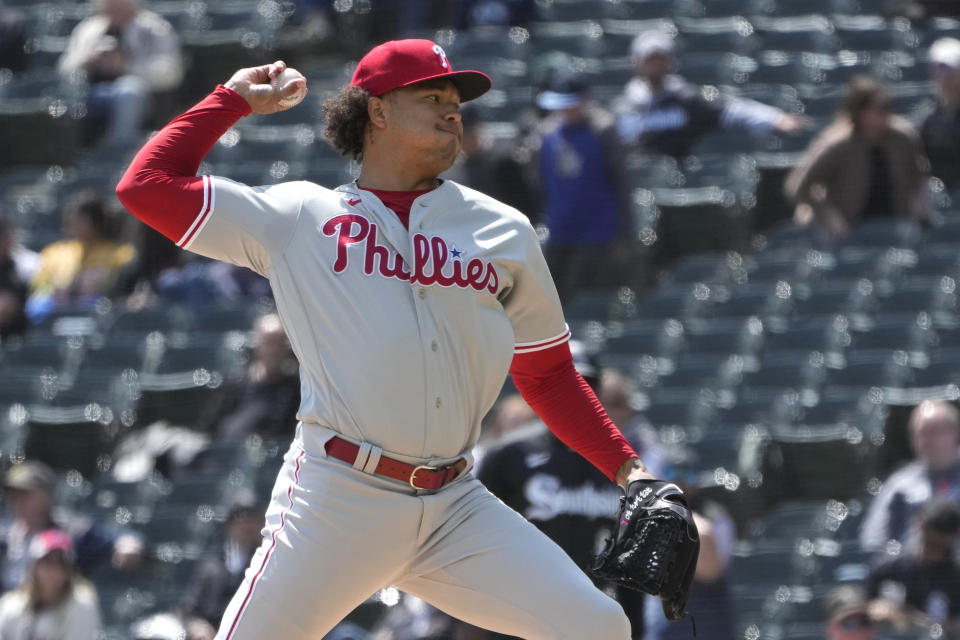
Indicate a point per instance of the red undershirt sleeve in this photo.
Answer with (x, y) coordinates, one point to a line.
(160, 187)
(550, 384)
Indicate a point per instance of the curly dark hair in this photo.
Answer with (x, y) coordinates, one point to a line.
(345, 121)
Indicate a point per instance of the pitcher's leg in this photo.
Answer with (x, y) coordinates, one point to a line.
(490, 567)
(323, 553)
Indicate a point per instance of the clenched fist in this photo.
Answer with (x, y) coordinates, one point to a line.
(254, 84)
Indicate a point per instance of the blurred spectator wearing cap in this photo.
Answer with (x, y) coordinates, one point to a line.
(846, 614)
(920, 587)
(585, 189)
(561, 493)
(934, 428)
(54, 602)
(265, 401)
(940, 125)
(85, 265)
(662, 113)
(29, 493)
(126, 53)
(218, 576)
(867, 164)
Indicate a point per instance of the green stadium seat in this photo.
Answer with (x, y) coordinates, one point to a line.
(174, 397)
(823, 462)
(807, 33)
(68, 438)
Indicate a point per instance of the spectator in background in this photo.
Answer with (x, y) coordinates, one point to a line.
(711, 597)
(219, 576)
(502, 171)
(585, 188)
(662, 113)
(847, 616)
(921, 587)
(29, 493)
(54, 602)
(15, 270)
(560, 492)
(935, 436)
(266, 400)
(13, 39)
(84, 266)
(940, 126)
(867, 164)
(127, 54)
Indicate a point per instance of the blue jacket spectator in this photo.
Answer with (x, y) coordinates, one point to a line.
(585, 188)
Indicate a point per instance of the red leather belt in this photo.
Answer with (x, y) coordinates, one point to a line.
(422, 477)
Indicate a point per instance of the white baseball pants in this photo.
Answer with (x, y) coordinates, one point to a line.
(335, 535)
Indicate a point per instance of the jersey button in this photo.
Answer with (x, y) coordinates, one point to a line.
(434, 346)
(438, 403)
(422, 293)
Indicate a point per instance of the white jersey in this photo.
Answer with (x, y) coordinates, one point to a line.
(404, 337)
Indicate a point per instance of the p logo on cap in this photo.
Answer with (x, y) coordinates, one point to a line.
(437, 49)
(401, 63)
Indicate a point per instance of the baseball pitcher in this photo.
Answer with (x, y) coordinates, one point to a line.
(407, 299)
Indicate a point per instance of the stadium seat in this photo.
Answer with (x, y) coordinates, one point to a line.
(68, 438)
(770, 301)
(943, 369)
(806, 33)
(709, 268)
(793, 266)
(734, 336)
(911, 333)
(824, 462)
(659, 338)
(579, 38)
(693, 371)
(717, 35)
(801, 371)
(603, 304)
(855, 298)
(684, 408)
(936, 296)
(696, 220)
(143, 321)
(793, 519)
(681, 301)
(846, 406)
(872, 368)
(869, 33)
(174, 397)
(885, 233)
(827, 334)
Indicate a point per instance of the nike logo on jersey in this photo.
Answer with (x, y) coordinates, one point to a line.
(432, 262)
(354, 203)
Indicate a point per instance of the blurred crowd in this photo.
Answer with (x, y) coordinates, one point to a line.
(567, 172)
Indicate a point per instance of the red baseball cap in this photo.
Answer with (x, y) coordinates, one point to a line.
(400, 63)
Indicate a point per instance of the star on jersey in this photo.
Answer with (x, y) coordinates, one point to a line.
(456, 253)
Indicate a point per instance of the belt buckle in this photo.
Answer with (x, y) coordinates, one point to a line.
(413, 475)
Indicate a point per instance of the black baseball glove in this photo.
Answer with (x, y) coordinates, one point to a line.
(654, 546)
